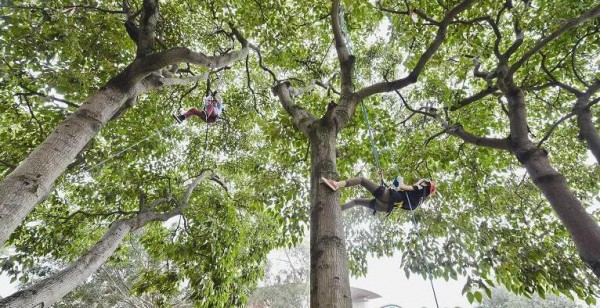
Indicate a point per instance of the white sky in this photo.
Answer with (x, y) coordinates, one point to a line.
(385, 278)
(6, 288)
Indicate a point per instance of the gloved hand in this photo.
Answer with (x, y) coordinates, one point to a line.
(397, 181)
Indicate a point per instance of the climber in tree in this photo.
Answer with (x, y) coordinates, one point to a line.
(386, 199)
(213, 107)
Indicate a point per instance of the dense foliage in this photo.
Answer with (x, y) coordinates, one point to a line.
(489, 223)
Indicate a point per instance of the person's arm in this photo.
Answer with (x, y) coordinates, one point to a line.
(399, 184)
(405, 187)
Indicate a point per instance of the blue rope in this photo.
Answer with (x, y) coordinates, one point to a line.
(364, 109)
(374, 148)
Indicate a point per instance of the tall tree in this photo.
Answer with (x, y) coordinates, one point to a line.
(329, 270)
(583, 228)
(428, 44)
(488, 213)
(141, 156)
(31, 181)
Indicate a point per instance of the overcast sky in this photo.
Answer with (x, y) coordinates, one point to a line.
(389, 281)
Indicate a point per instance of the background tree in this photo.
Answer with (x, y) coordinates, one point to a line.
(329, 273)
(286, 280)
(503, 298)
(487, 201)
(108, 183)
(583, 229)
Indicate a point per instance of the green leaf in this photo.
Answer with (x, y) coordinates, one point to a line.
(470, 297)
(478, 296)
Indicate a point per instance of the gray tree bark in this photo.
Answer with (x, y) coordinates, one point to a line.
(31, 182)
(53, 288)
(329, 282)
(582, 227)
(589, 132)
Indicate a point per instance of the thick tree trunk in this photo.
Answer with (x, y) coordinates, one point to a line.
(584, 229)
(31, 182)
(52, 289)
(329, 282)
(588, 132)
(581, 226)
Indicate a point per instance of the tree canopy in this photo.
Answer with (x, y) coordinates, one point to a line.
(439, 80)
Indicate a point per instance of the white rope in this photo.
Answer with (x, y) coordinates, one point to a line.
(424, 261)
(128, 148)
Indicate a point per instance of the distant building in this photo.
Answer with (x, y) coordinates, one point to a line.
(361, 297)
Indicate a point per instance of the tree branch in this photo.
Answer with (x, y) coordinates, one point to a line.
(300, 116)
(41, 131)
(584, 17)
(429, 52)
(553, 127)
(487, 76)
(409, 12)
(142, 67)
(497, 33)
(249, 85)
(161, 81)
(147, 28)
(345, 59)
(495, 143)
(147, 216)
(517, 43)
(33, 93)
(8, 164)
(66, 7)
(88, 214)
(262, 65)
(573, 54)
(574, 91)
(475, 97)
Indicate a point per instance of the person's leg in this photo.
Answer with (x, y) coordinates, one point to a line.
(195, 112)
(372, 204)
(364, 182)
(372, 187)
(366, 202)
(211, 119)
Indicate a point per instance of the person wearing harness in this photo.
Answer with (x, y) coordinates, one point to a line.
(213, 107)
(386, 199)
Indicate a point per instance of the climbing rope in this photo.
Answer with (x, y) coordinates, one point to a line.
(414, 220)
(374, 147)
(205, 146)
(350, 48)
(129, 147)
